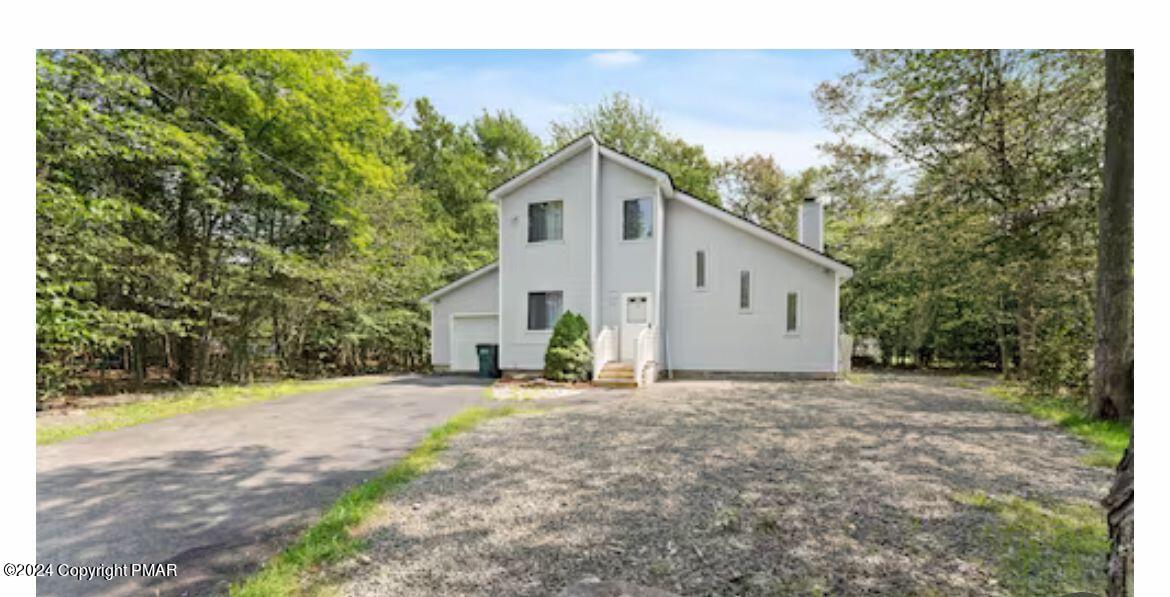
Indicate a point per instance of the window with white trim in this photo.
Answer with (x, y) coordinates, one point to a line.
(544, 309)
(792, 313)
(637, 221)
(745, 290)
(546, 221)
(701, 269)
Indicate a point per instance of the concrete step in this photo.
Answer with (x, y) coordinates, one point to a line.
(615, 383)
(616, 378)
(619, 366)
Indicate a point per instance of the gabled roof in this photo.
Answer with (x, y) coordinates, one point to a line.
(588, 140)
(469, 278)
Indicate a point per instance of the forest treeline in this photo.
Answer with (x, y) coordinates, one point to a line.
(211, 216)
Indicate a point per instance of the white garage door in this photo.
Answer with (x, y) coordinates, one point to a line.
(466, 332)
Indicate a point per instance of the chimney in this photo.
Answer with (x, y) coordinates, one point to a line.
(811, 232)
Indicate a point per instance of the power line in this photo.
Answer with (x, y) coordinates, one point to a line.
(243, 141)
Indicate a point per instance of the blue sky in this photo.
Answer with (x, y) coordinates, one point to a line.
(731, 102)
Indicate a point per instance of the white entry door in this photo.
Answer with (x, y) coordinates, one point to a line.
(637, 313)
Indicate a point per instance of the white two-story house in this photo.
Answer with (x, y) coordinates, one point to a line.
(668, 283)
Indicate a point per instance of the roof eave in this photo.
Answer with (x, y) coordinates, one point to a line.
(457, 284)
(548, 163)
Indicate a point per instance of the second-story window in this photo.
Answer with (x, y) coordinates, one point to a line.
(636, 219)
(545, 221)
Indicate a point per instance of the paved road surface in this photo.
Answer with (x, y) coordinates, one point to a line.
(218, 492)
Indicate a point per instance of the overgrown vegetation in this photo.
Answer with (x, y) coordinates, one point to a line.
(106, 418)
(219, 215)
(980, 251)
(568, 356)
(1109, 438)
(1044, 548)
(330, 539)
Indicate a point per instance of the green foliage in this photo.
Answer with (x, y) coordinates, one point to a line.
(331, 537)
(220, 215)
(569, 357)
(982, 251)
(1044, 547)
(630, 127)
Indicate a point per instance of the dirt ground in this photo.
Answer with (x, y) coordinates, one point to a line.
(718, 488)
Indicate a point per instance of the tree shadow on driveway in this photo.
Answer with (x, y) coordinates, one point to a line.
(716, 488)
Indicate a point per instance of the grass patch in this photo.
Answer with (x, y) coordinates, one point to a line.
(105, 418)
(1052, 548)
(859, 379)
(1109, 438)
(329, 540)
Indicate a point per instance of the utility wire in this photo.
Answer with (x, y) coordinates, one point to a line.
(243, 141)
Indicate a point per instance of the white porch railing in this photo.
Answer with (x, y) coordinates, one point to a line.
(605, 349)
(646, 356)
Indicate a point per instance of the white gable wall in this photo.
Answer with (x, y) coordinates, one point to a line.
(706, 330)
(626, 266)
(556, 265)
(481, 295)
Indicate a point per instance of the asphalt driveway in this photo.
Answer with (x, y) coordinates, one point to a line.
(218, 492)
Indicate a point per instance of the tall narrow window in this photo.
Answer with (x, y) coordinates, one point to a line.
(636, 219)
(545, 221)
(745, 290)
(792, 317)
(544, 309)
(700, 270)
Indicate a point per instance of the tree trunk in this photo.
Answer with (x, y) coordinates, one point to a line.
(1026, 332)
(1113, 361)
(1119, 505)
(138, 358)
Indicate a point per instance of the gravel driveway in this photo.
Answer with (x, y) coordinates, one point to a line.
(218, 492)
(724, 488)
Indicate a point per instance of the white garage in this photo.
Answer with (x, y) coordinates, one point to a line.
(470, 329)
(463, 314)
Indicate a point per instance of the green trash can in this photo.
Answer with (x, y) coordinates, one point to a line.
(489, 360)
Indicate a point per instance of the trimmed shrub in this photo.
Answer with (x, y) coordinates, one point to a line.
(569, 357)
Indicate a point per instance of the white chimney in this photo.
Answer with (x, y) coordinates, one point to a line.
(811, 232)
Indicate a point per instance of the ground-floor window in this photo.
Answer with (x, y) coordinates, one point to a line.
(745, 291)
(544, 308)
(792, 319)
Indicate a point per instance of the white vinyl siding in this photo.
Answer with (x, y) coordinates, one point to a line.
(544, 308)
(546, 221)
(637, 219)
(448, 311)
(707, 332)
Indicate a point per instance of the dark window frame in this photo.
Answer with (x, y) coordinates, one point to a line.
(538, 221)
(702, 269)
(646, 231)
(541, 316)
(745, 291)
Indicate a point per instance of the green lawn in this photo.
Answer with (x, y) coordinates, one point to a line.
(55, 429)
(329, 539)
(1109, 438)
(1044, 547)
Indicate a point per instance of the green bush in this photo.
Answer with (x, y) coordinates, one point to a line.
(569, 357)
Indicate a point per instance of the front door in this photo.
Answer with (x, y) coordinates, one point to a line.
(637, 313)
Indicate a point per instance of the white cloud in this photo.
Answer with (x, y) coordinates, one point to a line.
(615, 59)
